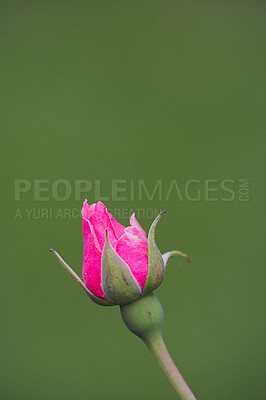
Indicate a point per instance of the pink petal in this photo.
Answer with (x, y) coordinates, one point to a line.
(87, 210)
(102, 220)
(101, 224)
(91, 260)
(133, 250)
(136, 228)
(119, 229)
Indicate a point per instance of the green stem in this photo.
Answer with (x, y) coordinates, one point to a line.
(144, 317)
(159, 351)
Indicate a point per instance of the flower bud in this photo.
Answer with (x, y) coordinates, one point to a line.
(120, 264)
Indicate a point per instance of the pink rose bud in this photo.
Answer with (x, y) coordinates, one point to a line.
(120, 264)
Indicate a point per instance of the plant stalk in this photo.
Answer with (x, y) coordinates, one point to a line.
(144, 317)
(159, 351)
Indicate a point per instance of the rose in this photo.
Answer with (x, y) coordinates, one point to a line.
(120, 264)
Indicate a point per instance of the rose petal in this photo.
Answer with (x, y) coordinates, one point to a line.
(103, 221)
(87, 209)
(119, 229)
(101, 224)
(133, 250)
(91, 260)
(135, 228)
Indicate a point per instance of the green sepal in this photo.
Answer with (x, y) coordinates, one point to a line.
(156, 264)
(118, 283)
(173, 253)
(94, 298)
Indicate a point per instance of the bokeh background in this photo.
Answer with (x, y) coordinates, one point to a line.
(135, 91)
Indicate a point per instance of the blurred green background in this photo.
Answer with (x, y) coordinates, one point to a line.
(136, 91)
